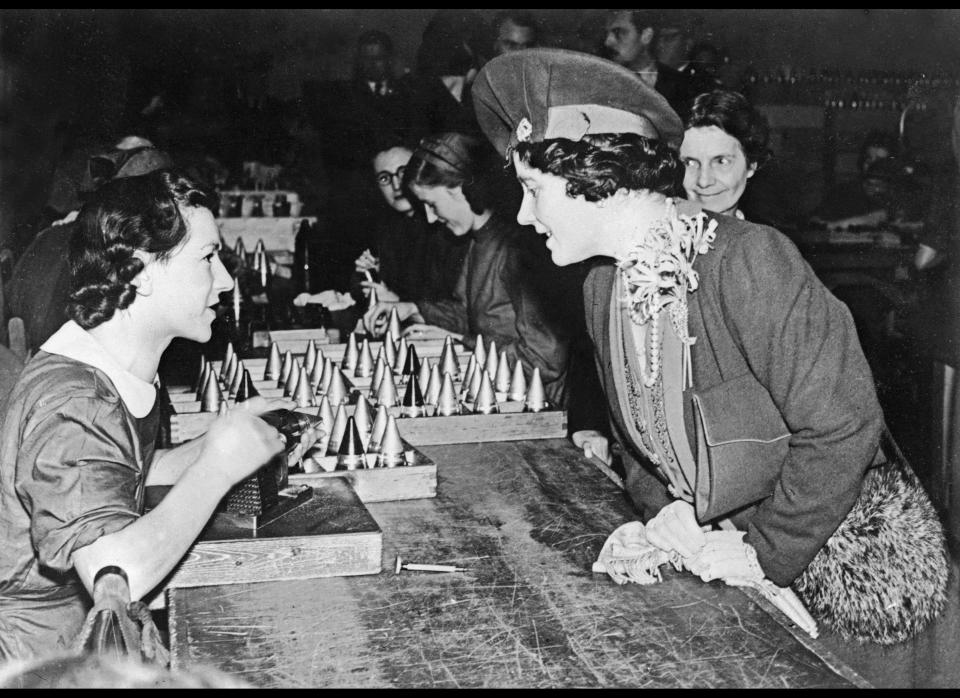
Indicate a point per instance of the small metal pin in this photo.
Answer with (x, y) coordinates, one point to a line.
(413, 566)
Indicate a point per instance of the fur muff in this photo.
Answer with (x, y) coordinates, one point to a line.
(882, 575)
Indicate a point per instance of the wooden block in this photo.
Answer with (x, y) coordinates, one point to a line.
(331, 535)
(466, 428)
(418, 481)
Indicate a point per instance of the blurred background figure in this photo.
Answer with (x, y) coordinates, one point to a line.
(724, 144)
(673, 45)
(703, 66)
(514, 30)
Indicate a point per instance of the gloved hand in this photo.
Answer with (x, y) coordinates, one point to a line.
(675, 529)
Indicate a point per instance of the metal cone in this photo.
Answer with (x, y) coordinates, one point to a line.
(475, 381)
(432, 394)
(201, 374)
(260, 248)
(231, 371)
(310, 356)
(237, 376)
(202, 383)
(236, 302)
(492, 359)
(272, 371)
(293, 377)
(424, 378)
(479, 352)
(411, 364)
(226, 359)
(223, 410)
(302, 393)
(337, 390)
(349, 362)
(336, 433)
(391, 445)
(387, 392)
(325, 414)
(316, 371)
(518, 385)
(212, 397)
(246, 390)
(350, 453)
(372, 299)
(486, 400)
(285, 369)
(448, 359)
(536, 399)
(240, 250)
(376, 431)
(502, 381)
(412, 405)
(364, 361)
(263, 266)
(361, 415)
(326, 376)
(401, 358)
(468, 372)
(393, 326)
(389, 350)
(447, 404)
(378, 372)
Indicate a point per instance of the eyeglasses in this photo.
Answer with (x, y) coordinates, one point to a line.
(385, 178)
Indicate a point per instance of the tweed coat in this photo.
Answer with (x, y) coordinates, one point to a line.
(761, 313)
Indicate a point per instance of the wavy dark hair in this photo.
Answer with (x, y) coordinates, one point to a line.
(731, 112)
(457, 160)
(597, 166)
(125, 215)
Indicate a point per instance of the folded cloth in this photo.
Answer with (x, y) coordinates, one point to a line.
(627, 556)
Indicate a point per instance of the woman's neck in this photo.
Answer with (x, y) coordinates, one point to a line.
(628, 216)
(136, 351)
(481, 219)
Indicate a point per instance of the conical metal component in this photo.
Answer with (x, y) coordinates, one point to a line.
(486, 402)
(468, 372)
(475, 380)
(502, 381)
(316, 371)
(336, 433)
(246, 390)
(285, 367)
(293, 377)
(401, 358)
(361, 415)
(387, 391)
(202, 383)
(424, 378)
(536, 398)
(479, 351)
(201, 374)
(352, 353)
(337, 390)
(260, 248)
(240, 250)
(518, 384)
(325, 414)
(393, 325)
(236, 300)
(236, 378)
(412, 405)
(263, 266)
(378, 372)
(223, 410)
(310, 356)
(447, 403)
(376, 431)
(303, 393)
(212, 397)
(350, 453)
(411, 364)
(231, 371)
(372, 299)
(448, 359)
(364, 361)
(432, 394)
(229, 354)
(391, 445)
(328, 370)
(272, 370)
(389, 350)
(492, 359)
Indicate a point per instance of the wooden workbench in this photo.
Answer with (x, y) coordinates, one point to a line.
(527, 519)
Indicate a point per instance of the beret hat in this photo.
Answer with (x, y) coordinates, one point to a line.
(544, 93)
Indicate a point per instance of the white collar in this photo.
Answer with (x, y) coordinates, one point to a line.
(74, 342)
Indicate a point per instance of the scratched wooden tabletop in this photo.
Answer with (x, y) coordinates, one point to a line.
(527, 519)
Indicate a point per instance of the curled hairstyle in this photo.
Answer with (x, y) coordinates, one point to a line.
(123, 216)
(456, 160)
(731, 112)
(598, 166)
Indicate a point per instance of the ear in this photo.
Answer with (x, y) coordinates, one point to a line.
(751, 170)
(143, 281)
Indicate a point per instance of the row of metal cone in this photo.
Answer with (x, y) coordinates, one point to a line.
(360, 441)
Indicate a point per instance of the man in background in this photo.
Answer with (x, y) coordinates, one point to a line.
(514, 30)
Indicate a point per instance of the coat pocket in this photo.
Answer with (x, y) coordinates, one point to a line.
(742, 443)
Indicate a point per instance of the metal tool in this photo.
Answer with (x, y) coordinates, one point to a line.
(401, 565)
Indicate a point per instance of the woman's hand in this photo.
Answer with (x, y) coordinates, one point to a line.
(238, 443)
(726, 556)
(367, 261)
(383, 291)
(593, 443)
(376, 319)
(675, 529)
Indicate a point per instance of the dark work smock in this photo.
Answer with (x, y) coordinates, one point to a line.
(496, 296)
(75, 454)
(760, 310)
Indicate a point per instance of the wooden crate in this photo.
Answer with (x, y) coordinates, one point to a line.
(331, 535)
(417, 480)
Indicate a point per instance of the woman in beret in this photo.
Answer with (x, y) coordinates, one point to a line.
(455, 177)
(79, 432)
(749, 425)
